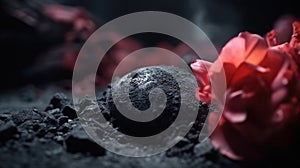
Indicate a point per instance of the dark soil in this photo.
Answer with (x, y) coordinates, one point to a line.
(41, 130)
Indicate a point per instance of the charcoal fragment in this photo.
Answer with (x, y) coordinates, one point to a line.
(27, 125)
(58, 101)
(24, 115)
(49, 107)
(50, 119)
(56, 112)
(36, 127)
(7, 131)
(79, 141)
(52, 130)
(64, 128)
(5, 117)
(70, 112)
(62, 120)
(42, 130)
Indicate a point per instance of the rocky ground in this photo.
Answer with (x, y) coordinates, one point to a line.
(41, 129)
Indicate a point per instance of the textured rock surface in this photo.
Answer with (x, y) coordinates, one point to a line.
(34, 132)
(173, 82)
(7, 131)
(79, 141)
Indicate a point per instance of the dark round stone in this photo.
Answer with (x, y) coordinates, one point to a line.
(139, 84)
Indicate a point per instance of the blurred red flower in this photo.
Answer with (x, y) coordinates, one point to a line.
(262, 97)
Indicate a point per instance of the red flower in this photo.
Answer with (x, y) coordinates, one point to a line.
(262, 96)
(200, 67)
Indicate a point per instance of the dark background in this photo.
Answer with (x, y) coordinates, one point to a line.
(229, 16)
(220, 19)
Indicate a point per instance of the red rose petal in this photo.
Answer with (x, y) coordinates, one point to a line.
(262, 98)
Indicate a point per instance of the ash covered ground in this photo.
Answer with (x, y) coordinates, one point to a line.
(41, 129)
(44, 131)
